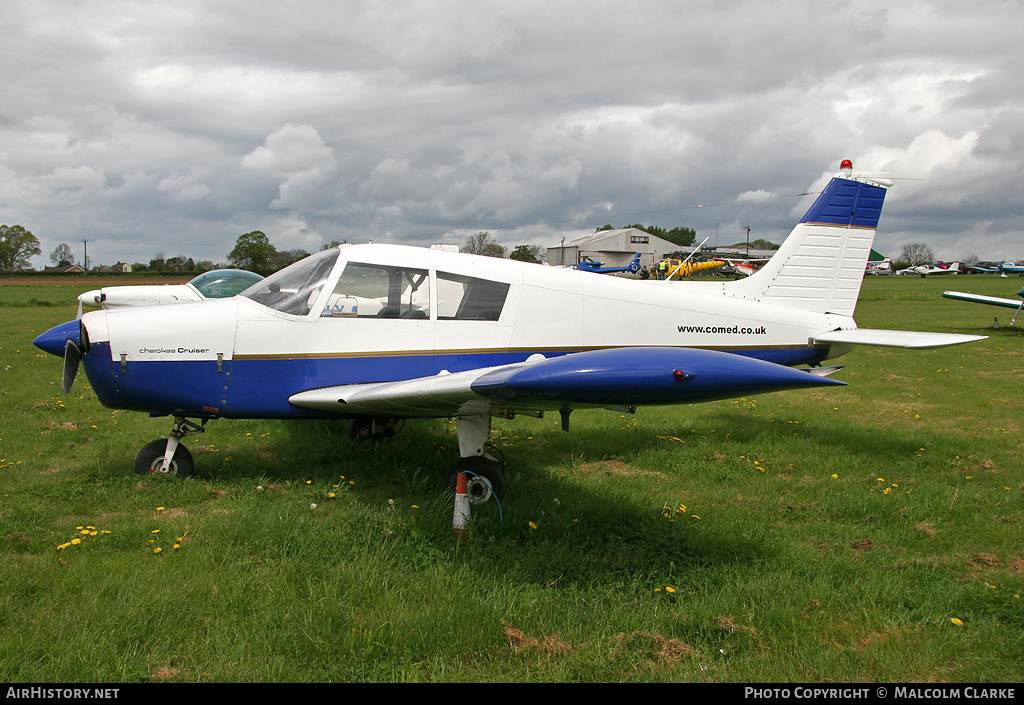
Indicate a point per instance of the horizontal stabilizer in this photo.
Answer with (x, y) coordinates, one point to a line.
(896, 338)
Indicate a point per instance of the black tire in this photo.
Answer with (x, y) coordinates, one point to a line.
(479, 467)
(152, 453)
(372, 428)
(359, 428)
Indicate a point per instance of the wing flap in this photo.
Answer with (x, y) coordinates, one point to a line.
(443, 394)
(915, 340)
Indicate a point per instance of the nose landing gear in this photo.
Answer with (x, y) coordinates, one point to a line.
(166, 455)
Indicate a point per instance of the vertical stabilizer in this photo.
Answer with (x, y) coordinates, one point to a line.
(821, 264)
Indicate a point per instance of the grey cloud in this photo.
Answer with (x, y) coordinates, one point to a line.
(164, 126)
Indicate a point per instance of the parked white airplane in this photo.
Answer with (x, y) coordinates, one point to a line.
(215, 284)
(377, 333)
(940, 268)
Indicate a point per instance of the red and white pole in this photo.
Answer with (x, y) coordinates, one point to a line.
(461, 506)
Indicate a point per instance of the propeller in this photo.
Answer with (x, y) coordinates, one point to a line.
(72, 356)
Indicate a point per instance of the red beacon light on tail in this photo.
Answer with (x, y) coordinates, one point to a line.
(846, 168)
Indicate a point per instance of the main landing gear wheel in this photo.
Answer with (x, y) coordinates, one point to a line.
(151, 458)
(486, 478)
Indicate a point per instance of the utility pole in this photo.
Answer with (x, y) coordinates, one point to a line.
(85, 260)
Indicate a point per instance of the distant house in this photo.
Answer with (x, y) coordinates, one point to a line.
(613, 248)
(64, 269)
(121, 267)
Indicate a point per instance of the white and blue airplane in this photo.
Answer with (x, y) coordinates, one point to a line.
(380, 333)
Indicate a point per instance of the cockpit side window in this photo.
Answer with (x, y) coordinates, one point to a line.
(464, 298)
(380, 291)
(295, 288)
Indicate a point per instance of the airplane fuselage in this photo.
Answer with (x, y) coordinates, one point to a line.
(242, 358)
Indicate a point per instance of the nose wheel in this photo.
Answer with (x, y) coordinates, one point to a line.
(166, 455)
(150, 460)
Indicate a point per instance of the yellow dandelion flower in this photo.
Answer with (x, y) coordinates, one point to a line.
(835, 477)
(331, 495)
(177, 545)
(159, 509)
(157, 550)
(155, 531)
(668, 589)
(532, 525)
(957, 622)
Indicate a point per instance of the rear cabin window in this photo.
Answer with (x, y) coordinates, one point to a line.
(379, 291)
(463, 298)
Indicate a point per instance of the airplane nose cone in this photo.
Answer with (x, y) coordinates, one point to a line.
(53, 340)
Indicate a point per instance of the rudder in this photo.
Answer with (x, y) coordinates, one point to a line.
(820, 266)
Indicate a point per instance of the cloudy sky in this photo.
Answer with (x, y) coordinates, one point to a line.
(172, 127)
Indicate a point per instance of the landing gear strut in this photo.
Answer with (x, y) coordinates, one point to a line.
(166, 455)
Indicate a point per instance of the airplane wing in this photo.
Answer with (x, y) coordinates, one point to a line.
(613, 377)
(896, 338)
(979, 299)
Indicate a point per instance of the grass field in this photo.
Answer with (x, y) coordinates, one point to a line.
(869, 533)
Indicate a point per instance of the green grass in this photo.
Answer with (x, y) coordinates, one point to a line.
(827, 535)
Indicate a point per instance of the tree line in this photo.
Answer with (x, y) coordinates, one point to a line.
(252, 251)
(255, 252)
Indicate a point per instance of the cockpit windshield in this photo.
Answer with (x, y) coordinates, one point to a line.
(295, 288)
(222, 283)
